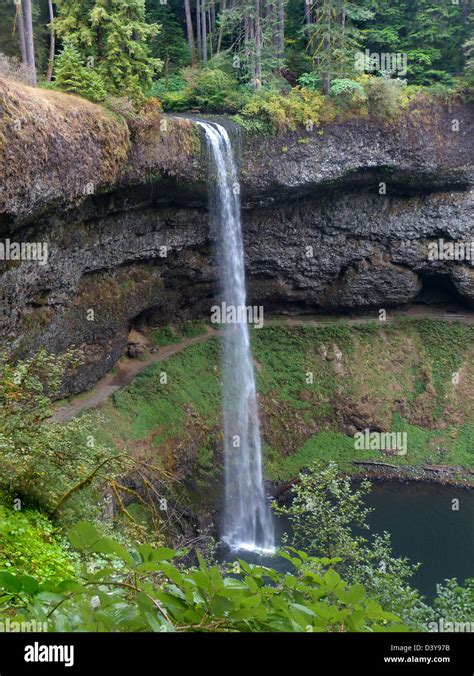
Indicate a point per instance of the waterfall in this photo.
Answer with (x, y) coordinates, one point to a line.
(248, 522)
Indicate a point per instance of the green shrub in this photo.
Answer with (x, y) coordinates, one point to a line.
(164, 336)
(348, 89)
(72, 76)
(386, 96)
(329, 516)
(278, 113)
(441, 91)
(174, 83)
(29, 545)
(253, 126)
(193, 329)
(310, 80)
(455, 603)
(176, 101)
(209, 88)
(42, 461)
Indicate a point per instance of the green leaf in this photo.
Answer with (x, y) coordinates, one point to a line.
(251, 584)
(202, 580)
(303, 609)
(355, 594)
(83, 535)
(162, 554)
(332, 579)
(10, 583)
(111, 547)
(30, 585)
(172, 573)
(216, 579)
(154, 622)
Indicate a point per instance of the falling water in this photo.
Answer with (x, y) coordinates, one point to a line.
(248, 521)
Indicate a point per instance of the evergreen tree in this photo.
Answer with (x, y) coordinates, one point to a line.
(333, 38)
(469, 50)
(112, 37)
(172, 47)
(255, 29)
(430, 32)
(72, 76)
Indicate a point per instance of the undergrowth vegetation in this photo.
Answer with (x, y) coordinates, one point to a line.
(31, 545)
(143, 588)
(337, 584)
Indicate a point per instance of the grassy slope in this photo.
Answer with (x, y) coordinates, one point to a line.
(388, 378)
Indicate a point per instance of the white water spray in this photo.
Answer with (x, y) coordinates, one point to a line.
(248, 522)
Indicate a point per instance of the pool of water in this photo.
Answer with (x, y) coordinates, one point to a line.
(425, 528)
(423, 525)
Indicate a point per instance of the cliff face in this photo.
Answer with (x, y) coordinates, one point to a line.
(125, 219)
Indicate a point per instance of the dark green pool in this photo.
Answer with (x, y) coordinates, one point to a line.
(423, 526)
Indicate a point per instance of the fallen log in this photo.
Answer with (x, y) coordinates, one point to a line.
(440, 468)
(374, 463)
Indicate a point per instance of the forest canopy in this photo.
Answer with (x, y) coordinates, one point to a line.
(214, 55)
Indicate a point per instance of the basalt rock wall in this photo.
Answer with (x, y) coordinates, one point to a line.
(339, 218)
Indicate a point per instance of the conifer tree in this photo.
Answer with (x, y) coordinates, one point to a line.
(73, 76)
(113, 38)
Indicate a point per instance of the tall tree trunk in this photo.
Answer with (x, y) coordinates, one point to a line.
(281, 29)
(307, 12)
(221, 29)
(247, 44)
(30, 41)
(258, 47)
(203, 31)
(272, 21)
(213, 18)
(211, 34)
(21, 32)
(343, 39)
(198, 28)
(327, 54)
(52, 42)
(190, 32)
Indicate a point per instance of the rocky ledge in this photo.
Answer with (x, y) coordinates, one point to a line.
(337, 218)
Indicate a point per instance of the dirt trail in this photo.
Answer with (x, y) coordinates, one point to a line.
(126, 370)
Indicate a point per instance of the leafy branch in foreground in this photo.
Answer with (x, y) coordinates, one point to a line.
(142, 589)
(329, 516)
